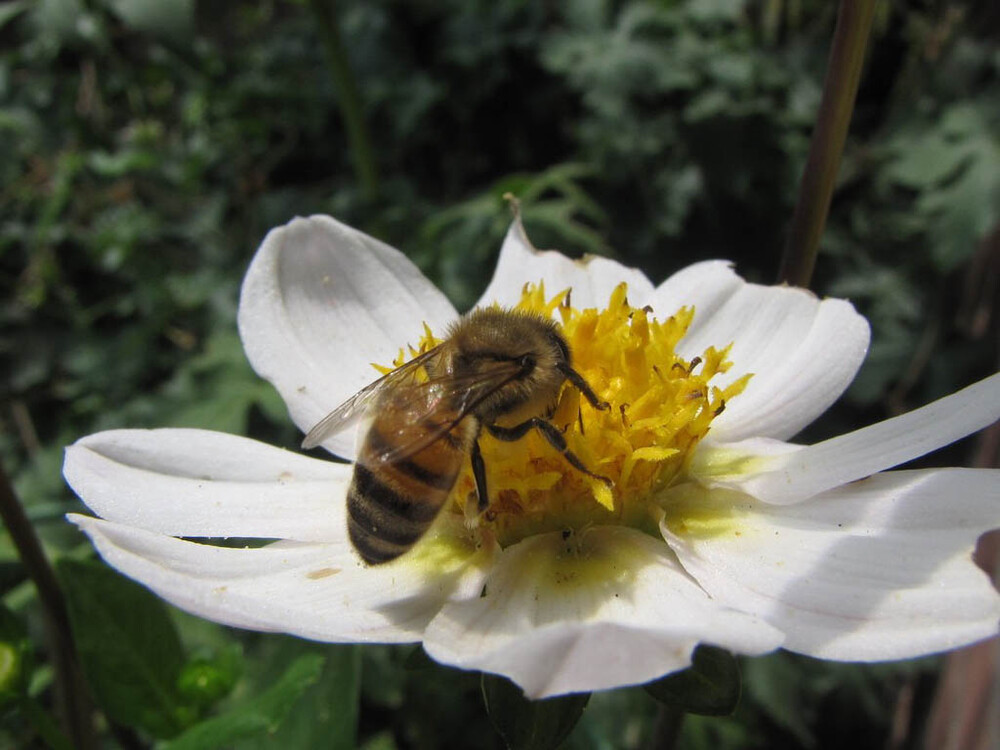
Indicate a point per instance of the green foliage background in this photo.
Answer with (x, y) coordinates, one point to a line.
(146, 148)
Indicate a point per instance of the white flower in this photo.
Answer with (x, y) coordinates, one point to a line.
(729, 536)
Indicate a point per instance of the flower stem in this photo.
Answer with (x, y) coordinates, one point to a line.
(325, 13)
(847, 54)
(72, 697)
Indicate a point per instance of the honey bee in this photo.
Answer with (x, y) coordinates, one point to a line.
(499, 371)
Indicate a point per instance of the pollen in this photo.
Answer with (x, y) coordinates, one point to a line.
(661, 407)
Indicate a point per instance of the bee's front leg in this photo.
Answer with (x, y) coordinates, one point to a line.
(551, 433)
(584, 387)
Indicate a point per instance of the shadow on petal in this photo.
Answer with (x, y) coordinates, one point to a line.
(874, 570)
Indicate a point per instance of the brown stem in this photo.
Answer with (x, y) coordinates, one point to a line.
(72, 698)
(854, 22)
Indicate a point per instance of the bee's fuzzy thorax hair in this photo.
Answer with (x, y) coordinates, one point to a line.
(492, 333)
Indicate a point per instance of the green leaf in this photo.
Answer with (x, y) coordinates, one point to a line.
(526, 724)
(155, 17)
(11, 10)
(128, 646)
(381, 741)
(205, 680)
(619, 718)
(44, 724)
(714, 11)
(16, 657)
(775, 683)
(327, 714)
(418, 660)
(966, 210)
(955, 168)
(383, 676)
(710, 686)
(60, 19)
(926, 161)
(719, 733)
(10, 671)
(264, 713)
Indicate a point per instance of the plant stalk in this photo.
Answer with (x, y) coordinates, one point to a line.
(325, 13)
(73, 704)
(847, 55)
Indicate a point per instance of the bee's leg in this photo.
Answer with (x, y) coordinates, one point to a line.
(479, 473)
(551, 433)
(581, 385)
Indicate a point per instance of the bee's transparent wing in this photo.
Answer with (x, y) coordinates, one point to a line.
(360, 404)
(420, 413)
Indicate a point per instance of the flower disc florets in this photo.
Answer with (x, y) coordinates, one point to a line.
(661, 406)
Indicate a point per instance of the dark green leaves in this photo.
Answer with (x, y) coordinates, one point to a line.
(173, 20)
(326, 714)
(128, 648)
(304, 694)
(530, 725)
(952, 165)
(263, 713)
(710, 686)
(205, 680)
(15, 656)
(558, 212)
(9, 11)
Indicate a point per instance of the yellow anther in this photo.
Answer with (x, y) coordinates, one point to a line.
(662, 405)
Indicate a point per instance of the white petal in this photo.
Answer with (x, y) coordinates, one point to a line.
(706, 286)
(317, 591)
(606, 608)
(878, 569)
(199, 483)
(591, 278)
(803, 352)
(801, 474)
(320, 303)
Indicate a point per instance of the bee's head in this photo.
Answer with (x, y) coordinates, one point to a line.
(522, 354)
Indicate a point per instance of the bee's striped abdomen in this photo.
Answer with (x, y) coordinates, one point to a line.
(392, 503)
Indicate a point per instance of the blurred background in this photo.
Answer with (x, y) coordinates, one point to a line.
(146, 147)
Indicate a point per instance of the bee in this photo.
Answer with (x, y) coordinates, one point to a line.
(498, 370)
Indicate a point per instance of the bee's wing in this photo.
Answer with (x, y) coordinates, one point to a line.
(425, 412)
(358, 405)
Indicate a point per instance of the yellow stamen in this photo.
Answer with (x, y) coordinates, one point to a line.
(661, 407)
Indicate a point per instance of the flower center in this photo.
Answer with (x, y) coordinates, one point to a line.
(661, 407)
